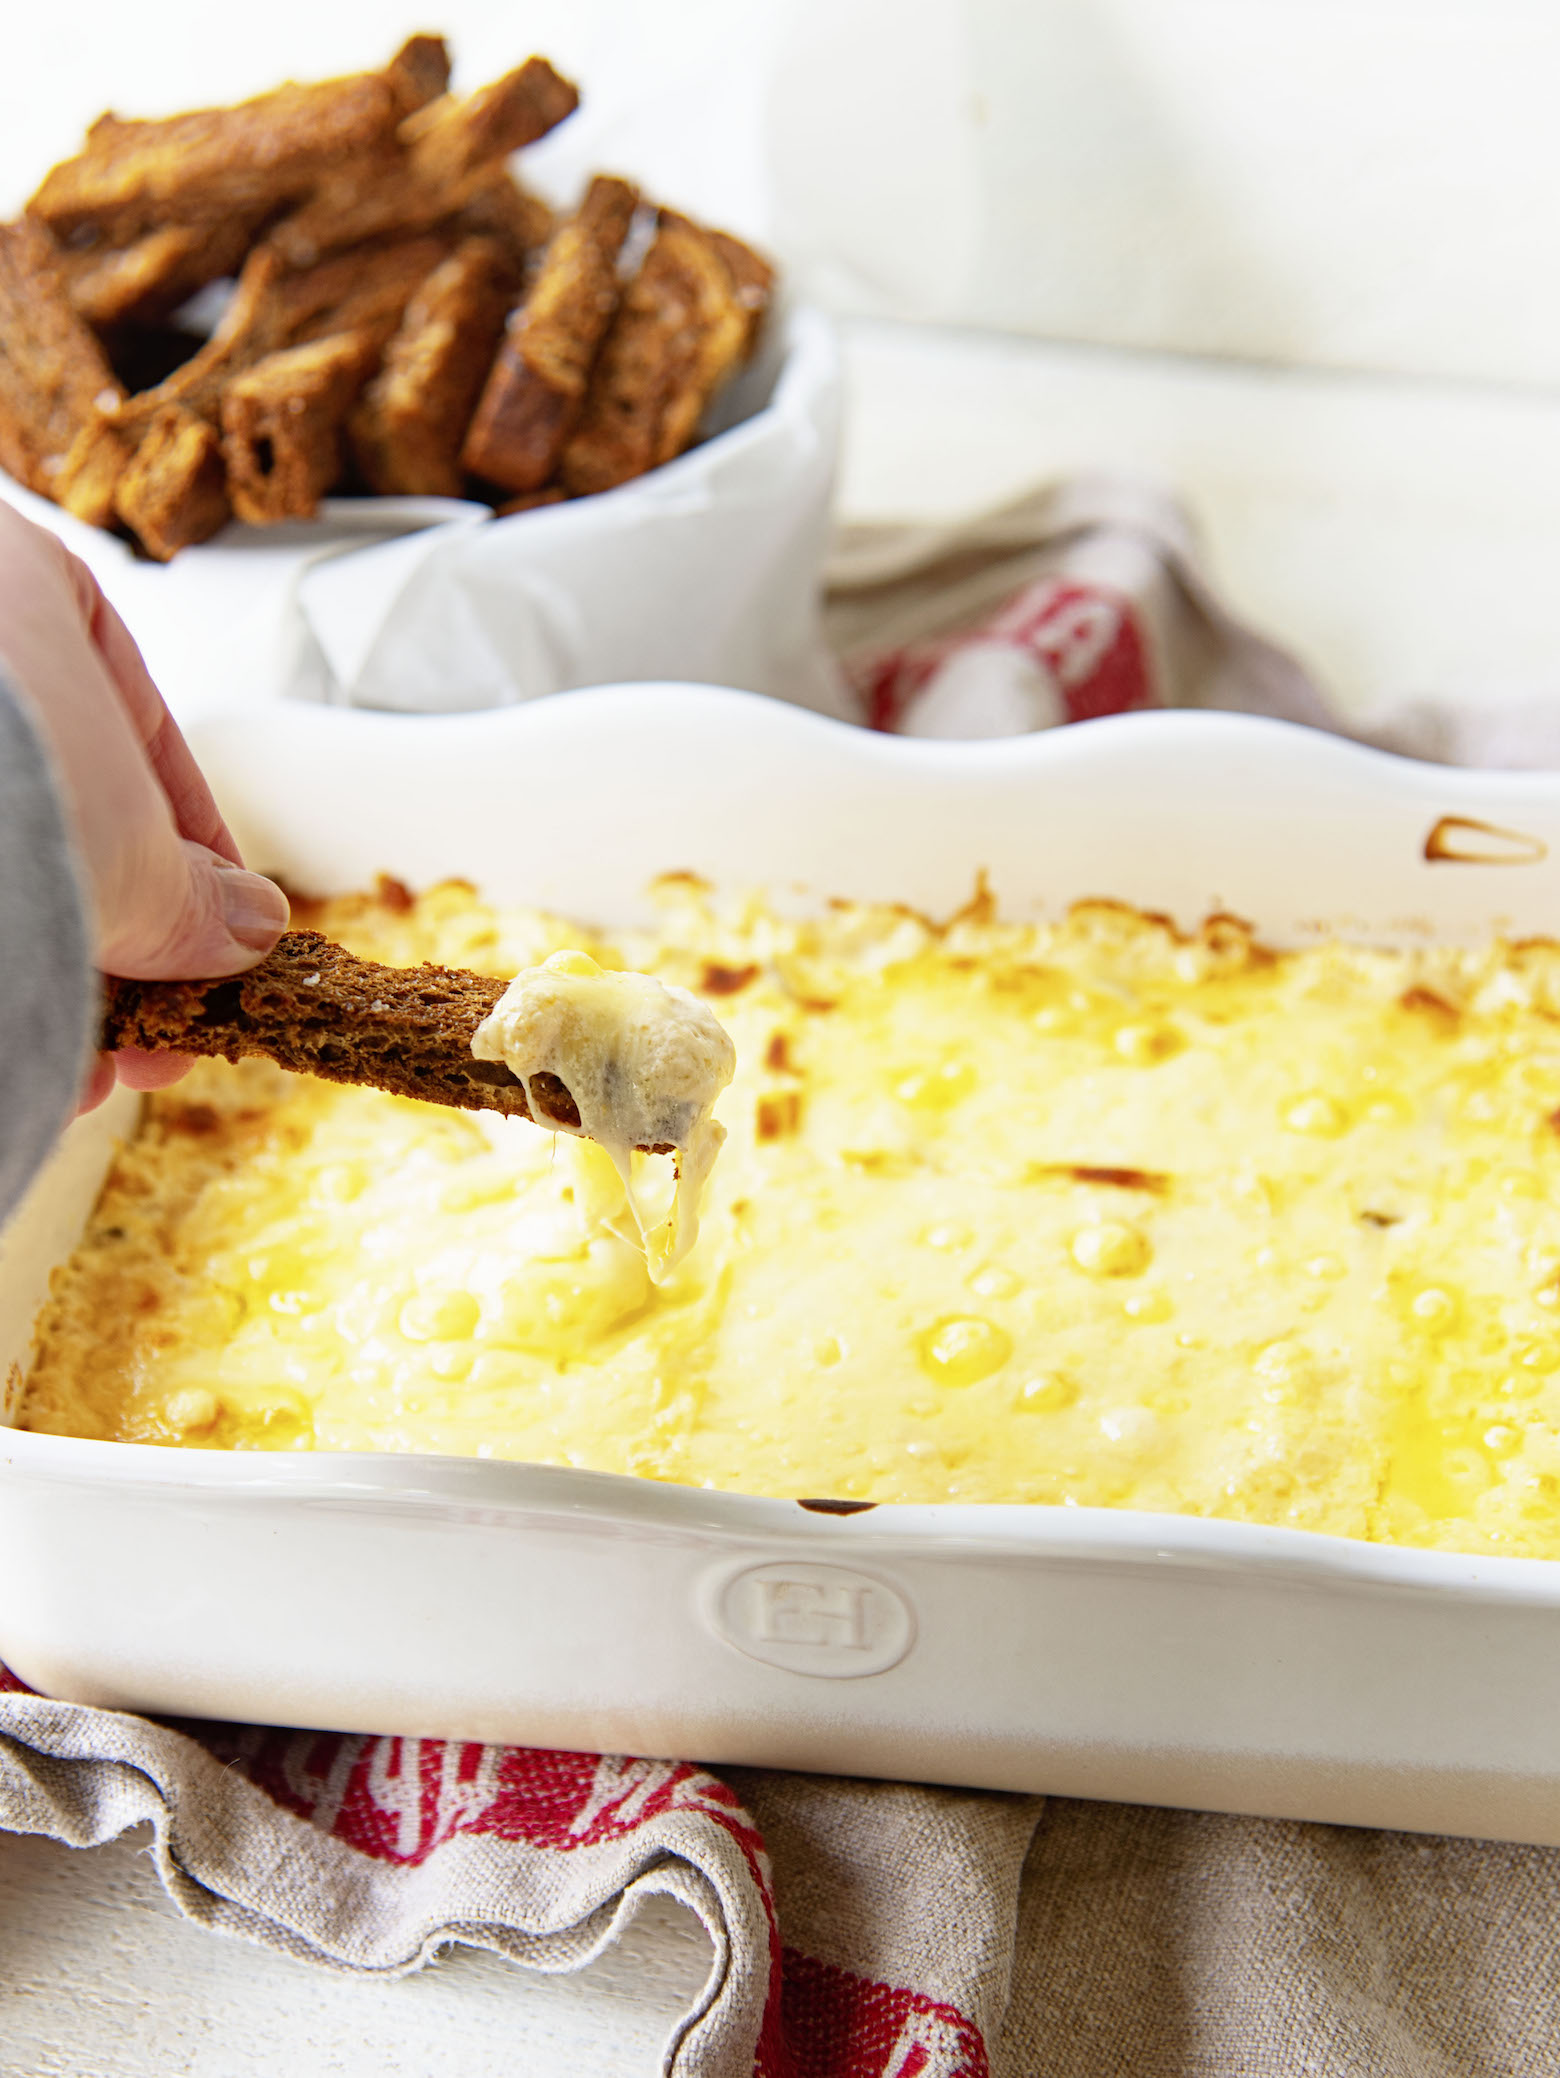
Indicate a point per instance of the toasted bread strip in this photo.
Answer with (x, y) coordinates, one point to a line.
(452, 138)
(446, 154)
(409, 424)
(88, 480)
(143, 281)
(318, 1009)
(215, 162)
(533, 395)
(276, 306)
(282, 423)
(419, 72)
(753, 276)
(172, 492)
(54, 375)
(685, 325)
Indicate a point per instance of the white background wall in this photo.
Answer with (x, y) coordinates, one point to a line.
(1358, 183)
(1346, 183)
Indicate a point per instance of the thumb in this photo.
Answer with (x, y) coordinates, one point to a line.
(205, 917)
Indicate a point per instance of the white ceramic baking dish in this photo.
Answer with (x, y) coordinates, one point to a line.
(1091, 1652)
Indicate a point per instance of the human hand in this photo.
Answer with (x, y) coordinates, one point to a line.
(171, 900)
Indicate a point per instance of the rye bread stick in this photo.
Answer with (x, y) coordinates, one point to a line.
(313, 1007)
(534, 391)
(441, 158)
(143, 281)
(54, 376)
(419, 72)
(408, 425)
(684, 325)
(753, 277)
(282, 425)
(218, 162)
(172, 491)
(453, 137)
(88, 481)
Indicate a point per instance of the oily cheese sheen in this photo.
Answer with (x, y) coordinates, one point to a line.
(1084, 1213)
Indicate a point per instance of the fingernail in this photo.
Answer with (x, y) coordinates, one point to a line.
(253, 908)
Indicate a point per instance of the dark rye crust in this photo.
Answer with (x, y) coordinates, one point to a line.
(313, 1007)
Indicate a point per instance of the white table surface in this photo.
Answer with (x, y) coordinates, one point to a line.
(101, 1978)
(1402, 535)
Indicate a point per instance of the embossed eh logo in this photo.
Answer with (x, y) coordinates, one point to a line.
(808, 1617)
(809, 1612)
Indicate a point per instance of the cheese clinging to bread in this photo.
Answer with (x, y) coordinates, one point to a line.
(644, 1064)
(1087, 1212)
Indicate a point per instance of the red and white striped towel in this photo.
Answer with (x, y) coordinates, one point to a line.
(1082, 600)
(1089, 598)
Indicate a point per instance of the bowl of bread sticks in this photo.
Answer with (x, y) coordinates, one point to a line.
(493, 448)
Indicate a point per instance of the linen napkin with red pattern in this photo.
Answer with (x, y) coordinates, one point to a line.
(857, 1928)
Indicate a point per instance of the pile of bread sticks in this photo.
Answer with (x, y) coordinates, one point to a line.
(406, 318)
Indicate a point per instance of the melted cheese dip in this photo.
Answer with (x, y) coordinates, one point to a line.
(1082, 1213)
